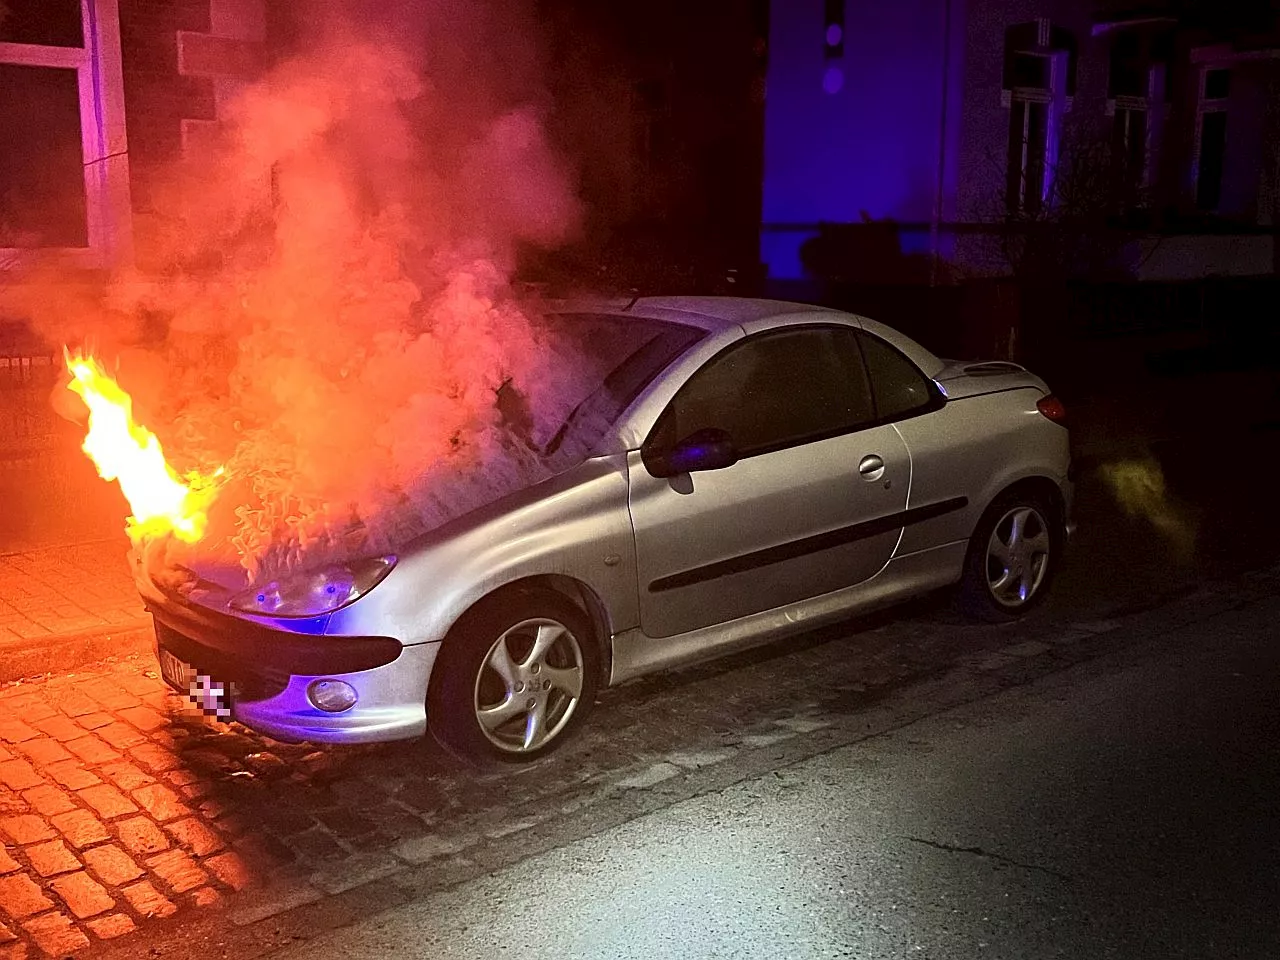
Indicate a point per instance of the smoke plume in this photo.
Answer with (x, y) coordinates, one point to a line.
(333, 318)
(1139, 488)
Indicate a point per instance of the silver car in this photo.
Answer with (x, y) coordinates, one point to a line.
(745, 469)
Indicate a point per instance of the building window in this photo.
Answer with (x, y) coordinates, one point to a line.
(1217, 84)
(1030, 134)
(1211, 138)
(1213, 151)
(64, 193)
(1037, 89)
(1129, 91)
(46, 23)
(1028, 144)
(653, 144)
(1129, 145)
(1128, 75)
(42, 191)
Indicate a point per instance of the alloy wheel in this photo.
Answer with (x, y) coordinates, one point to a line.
(1017, 556)
(529, 685)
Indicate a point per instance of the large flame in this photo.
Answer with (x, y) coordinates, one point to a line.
(124, 450)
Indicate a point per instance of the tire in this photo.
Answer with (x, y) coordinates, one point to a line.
(481, 705)
(1001, 584)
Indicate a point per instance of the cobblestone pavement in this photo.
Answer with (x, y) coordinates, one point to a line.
(66, 589)
(121, 810)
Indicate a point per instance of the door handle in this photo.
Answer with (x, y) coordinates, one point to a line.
(871, 467)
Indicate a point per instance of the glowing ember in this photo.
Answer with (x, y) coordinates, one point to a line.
(124, 450)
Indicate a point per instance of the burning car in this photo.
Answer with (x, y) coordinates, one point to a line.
(739, 470)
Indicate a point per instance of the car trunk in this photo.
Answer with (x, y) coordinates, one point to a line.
(969, 379)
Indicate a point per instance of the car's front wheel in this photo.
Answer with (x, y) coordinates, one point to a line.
(1013, 556)
(515, 676)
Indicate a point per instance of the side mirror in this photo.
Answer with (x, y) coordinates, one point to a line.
(709, 449)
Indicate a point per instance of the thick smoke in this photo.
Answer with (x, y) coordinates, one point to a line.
(334, 321)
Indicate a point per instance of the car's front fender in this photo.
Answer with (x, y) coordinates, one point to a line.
(575, 525)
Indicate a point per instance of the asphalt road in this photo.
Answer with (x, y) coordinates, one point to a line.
(1124, 807)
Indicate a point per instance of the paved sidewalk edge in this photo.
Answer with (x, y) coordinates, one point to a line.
(65, 652)
(41, 547)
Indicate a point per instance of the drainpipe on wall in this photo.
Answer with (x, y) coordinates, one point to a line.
(935, 225)
(1271, 132)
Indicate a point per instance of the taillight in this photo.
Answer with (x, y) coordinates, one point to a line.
(1052, 408)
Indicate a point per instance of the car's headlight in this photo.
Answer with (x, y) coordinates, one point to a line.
(309, 593)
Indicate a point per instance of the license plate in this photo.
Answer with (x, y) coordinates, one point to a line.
(175, 672)
(211, 696)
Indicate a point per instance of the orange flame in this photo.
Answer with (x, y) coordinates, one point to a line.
(124, 450)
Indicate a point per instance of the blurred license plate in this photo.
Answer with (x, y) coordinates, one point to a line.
(212, 697)
(175, 672)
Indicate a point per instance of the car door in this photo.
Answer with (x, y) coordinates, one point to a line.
(812, 504)
(947, 462)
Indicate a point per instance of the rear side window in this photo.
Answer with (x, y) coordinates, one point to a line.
(900, 388)
(774, 391)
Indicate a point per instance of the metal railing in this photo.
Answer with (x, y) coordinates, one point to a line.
(28, 422)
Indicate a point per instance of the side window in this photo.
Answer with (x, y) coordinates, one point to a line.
(773, 391)
(899, 387)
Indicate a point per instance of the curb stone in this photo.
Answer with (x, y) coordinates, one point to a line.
(67, 652)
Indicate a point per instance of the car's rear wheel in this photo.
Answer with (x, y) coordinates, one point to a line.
(1013, 556)
(515, 677)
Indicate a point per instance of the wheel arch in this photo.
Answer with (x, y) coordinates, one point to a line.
(580, 594)
(1042, 488)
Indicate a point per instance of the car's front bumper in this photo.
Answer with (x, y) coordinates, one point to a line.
(391, 705)
(268, 669)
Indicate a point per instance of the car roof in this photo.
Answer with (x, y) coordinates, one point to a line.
(718, 313)
(751, 315)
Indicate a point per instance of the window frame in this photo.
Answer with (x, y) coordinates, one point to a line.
(1026, 197)
(1054, 95)
(937, 399)
(1054, 101)
(103, 141)
(1204, 106)
(1127, 110)
(650, 448)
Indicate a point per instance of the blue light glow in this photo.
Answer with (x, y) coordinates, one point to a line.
(861, 136)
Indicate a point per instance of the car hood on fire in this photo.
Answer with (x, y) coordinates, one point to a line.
(213, 580)
(451, 505)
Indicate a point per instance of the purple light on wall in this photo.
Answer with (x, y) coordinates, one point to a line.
(835, 33)
(831, 156)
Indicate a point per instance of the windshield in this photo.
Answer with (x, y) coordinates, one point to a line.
(607, 360)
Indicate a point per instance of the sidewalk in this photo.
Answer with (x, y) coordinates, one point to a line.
(63, 606)
(103, 824)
